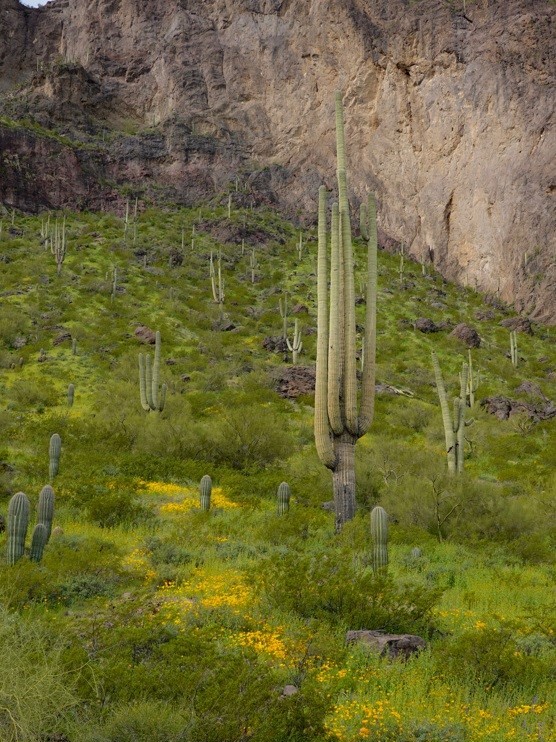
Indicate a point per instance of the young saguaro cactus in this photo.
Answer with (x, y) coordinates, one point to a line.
(296, 345)
(513, 348)
(283, 498)
(205, 491)
(54, 451)
(149, 377)
(454, 426)
(379, 535)
(38, 542)
(339, 423)
(45, 509)
(18, 521)
(71, 394)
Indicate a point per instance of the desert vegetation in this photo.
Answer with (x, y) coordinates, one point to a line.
(170, 572)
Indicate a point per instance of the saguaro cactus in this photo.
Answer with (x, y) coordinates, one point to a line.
(45, 509)
(454, 427)
(58, 244)
(338, 423)
(513, 348)
(379, 535)
(296, 345)
(71, 394)
(149, 377)
(283, 498)
(18, 520)
(472, 382)
(54, 451)
(217, 288)
(205, 491)
(38, 542)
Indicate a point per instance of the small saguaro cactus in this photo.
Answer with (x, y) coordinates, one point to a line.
(472, 382)
(74, 346)
(217, 282)
(379, 535)
(253, 264)
(114, 284)
(38, 542)
(18, 521)
(71, 394)
(205, 491)
(296, 345)
(300, 246)
(283, 306)
(45, 509)
(54, 451)
(58, 245)
(149, 376)
(283, 498)
(454, 427)
(513, 348)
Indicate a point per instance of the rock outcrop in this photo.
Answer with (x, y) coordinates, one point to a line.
(449, 116)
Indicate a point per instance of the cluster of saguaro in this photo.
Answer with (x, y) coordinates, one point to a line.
(339, 420)
(18, 522)
(296, 345)
(149, 377)
(379, 536)
(454, 426)
(54, 451)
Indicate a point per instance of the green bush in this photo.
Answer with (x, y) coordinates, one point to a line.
(326, 585)
(27, 393)
(116, 508)
(489, 658)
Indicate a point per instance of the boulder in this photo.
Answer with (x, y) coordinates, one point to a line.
(467, 335)
(388, 645)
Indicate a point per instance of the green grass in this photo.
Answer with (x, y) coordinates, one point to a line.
(145, 606)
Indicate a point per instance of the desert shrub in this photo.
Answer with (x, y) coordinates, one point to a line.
(326, 585)
(142, 721)
(14, 323)
(489, 658)
(27, 393)
(36, 689)
(167, 552)
(247, 437)
(116, 508)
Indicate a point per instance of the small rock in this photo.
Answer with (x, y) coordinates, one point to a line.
(145, 335)
(223, 325)
(328, 505)
(19, 342)
(275, 344)
(2, 524)
(171, 361)
(467, 335)
(388, 645)
(175, 259)
(519, 324)
(293, 381)
(300, 309)
(61, 338)
(289, 690)
(424, 324)
(185, 377)
(484, 314)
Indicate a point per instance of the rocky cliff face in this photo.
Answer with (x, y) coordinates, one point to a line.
(450, 116)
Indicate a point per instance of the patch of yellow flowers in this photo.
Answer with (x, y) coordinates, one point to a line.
(190, 494)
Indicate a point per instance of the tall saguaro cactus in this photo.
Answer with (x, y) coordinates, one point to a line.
(339, 420)
(149, 376)
(45, 509)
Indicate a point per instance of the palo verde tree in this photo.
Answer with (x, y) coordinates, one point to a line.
(342, 415)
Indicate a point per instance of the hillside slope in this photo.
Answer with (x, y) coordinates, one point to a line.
(451, 116)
